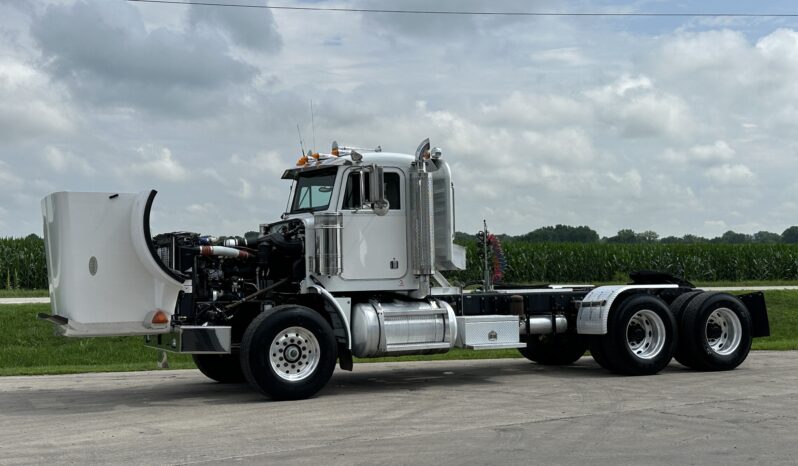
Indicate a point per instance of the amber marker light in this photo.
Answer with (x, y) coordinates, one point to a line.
(160, 318)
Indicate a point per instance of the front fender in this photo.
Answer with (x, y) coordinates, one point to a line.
(344, 315)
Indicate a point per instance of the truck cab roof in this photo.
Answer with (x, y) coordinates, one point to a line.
(385, 159)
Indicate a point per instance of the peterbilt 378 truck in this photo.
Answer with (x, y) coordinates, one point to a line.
(353, 270)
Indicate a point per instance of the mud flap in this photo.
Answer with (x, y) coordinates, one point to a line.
(755, 302)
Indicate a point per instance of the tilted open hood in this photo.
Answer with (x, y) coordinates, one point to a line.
(105, 276)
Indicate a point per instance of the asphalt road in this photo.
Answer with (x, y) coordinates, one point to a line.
(446, 412)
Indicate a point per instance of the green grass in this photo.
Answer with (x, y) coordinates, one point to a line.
(5, 293)
(783, 316)
(28, 345)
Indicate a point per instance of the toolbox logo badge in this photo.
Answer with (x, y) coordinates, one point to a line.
(492, 335)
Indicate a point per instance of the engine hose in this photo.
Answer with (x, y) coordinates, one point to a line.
(256, 294)
(223, 251)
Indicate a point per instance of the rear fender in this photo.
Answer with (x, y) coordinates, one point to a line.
(594, 311)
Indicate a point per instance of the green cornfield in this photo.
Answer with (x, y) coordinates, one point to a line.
(603, 262)
(22, 263)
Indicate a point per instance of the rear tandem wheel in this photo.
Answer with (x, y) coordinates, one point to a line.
(715, 332)
(640, 339)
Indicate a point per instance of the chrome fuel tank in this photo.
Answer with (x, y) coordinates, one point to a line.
(402, 327)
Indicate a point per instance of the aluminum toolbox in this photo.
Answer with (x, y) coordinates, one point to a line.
(488, 332)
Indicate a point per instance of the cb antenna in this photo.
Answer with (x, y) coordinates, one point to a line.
(301, 143)
(313, 125)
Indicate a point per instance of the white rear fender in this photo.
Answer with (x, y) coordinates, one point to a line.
(595, 308)
(105, 276)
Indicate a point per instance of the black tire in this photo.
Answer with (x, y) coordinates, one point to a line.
(223, 368)
(711, 321)
(272, 336)
(641, 337)
(678, 307)
(555, 349)
(595, 344)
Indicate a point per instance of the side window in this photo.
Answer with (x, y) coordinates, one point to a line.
(352, 193)
(392, 190)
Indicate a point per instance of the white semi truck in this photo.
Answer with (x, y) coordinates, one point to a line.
(353, 270)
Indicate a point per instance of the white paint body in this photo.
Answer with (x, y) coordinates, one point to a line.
(127, 283)
(595, 309)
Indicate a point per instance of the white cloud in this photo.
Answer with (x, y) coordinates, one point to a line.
(731, 174)
(534, 110)
(254, 29)
(157, 162)
(105, 53)
(8, 180)
(201, 209)
(655, 124)
(717, 152)
(702, 154)
(245, 192)
(268, 162)
(635, 108)
(31, 105)
(63, 162)
(571, 56)
(630, 181)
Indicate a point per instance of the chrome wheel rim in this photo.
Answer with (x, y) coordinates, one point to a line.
(294, 354)
(723, 331)
(645, 334)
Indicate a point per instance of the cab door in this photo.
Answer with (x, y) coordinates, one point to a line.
(374, 246)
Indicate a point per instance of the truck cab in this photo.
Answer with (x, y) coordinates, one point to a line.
(364, 218)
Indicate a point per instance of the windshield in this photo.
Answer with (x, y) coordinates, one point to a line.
(313, 191)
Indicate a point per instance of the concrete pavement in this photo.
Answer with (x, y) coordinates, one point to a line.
(442, 412)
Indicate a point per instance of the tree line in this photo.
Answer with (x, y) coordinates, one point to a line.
(585, 234)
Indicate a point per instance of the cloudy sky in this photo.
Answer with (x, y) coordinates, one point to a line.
(678, 125)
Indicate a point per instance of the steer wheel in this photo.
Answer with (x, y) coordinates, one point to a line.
(289, 352)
